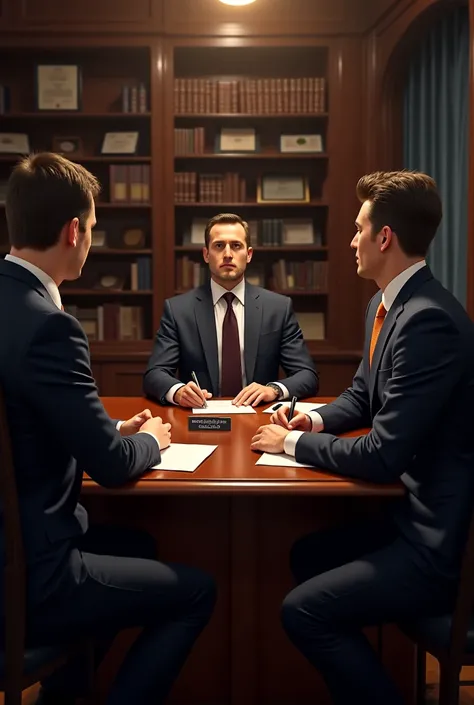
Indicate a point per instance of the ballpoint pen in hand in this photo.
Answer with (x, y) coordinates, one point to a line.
(195, 380)
(292, 408)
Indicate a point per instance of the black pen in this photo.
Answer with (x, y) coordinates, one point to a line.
(276, 407)
(195, 380)
(292, 408)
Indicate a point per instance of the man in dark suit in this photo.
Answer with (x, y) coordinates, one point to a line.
(59, 430)
(232, 335)
(415, 388)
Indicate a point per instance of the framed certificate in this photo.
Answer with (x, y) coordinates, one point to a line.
(58, 87)
(283, 189)
(237, 140)
(120, 143)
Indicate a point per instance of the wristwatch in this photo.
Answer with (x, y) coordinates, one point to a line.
(277, 388)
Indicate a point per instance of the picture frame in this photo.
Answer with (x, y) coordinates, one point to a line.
(283, 188)
(301, 144)
(14, 143)
(237, 139)
(68, 146)
(58, 87)
(120, 143)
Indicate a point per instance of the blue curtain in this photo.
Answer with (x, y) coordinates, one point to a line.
(436, 138)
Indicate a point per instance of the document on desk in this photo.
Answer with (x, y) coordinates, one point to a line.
(223, 406)
(280, 460)
(303, 406)
(184, 457)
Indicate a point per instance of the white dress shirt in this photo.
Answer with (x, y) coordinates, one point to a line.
(53, 291)
(388, 297)
(220, 309)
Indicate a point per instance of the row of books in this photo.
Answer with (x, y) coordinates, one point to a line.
(189, 141)
(129, 183)
(309, 275)
(250, 96)
(271, 232)
(111, 321)
(189, 187)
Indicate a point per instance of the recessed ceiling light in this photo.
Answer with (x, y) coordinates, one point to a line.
(237, 2)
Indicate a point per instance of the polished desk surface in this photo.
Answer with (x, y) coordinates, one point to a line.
(231, 468)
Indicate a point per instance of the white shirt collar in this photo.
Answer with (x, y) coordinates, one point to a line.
(44, 278)
(396, 285)
(218, 291)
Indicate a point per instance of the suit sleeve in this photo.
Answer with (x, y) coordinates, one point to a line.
(59, 385)
(351, 410)
(426, 369)
(302, 379)
(164, 361)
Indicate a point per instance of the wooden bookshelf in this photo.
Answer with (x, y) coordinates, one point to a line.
(269, 91)
(127, 314)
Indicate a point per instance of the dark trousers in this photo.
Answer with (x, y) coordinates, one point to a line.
(349, 578)
(124, 586)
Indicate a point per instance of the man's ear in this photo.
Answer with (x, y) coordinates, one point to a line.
(72, 232)
(205, 254)
(387, 235)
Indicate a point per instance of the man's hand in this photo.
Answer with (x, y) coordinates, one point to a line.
(253, 394)
(191, 396)
(299, 422)
(269, 439)
(131, 426)
(161, 431)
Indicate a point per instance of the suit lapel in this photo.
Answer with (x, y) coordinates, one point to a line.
(206, 326)
(253, 325)
(396, 308)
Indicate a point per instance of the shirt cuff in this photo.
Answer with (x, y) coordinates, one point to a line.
(119, 424)
(172, 391)
(153, 436)
(317, 420)
(289, 444)
(286, 393)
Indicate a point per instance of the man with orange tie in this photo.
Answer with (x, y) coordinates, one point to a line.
(415, 389)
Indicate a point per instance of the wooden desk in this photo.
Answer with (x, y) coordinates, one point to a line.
(231, 468)
(240, 528)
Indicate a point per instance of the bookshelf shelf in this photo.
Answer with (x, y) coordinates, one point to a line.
(253, 116)
(118, 252)
(258, 248)
(12, 158)
(102, 204)
(255, 155)
(103, 292)
(73, 115)
(253, 204)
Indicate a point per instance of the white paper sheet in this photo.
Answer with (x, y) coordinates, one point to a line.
(224, 407)
(280, 460)
(184, 457)
(303, 406)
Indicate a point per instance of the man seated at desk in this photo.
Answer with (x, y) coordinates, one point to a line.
(415, 388)
(232, 335)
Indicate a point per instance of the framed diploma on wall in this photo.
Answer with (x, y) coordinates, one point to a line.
(58, 87)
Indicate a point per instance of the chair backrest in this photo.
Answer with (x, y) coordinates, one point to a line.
(14, 563)
(463, 610)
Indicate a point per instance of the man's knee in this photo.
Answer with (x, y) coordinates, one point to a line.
(301, 613)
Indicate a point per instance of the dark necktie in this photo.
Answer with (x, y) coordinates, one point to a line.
(231, 377)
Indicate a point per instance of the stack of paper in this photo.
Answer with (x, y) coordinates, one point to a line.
(184, 457)
(223, 407)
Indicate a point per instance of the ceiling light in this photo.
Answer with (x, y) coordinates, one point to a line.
(237, 2)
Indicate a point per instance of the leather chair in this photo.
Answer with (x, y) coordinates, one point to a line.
(20, 667)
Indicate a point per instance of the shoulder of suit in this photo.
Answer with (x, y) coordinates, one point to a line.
(181, 301)
(267, 294)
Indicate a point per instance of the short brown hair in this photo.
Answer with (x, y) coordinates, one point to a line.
(226, 218)
(44, 192)
(408, 202)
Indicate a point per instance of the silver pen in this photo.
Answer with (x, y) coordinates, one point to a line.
(195, 380)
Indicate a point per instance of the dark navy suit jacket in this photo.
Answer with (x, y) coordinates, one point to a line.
(418, 397)
(59, 430)
(187, 340)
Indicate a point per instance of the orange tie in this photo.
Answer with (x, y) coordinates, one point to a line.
(378, 323)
